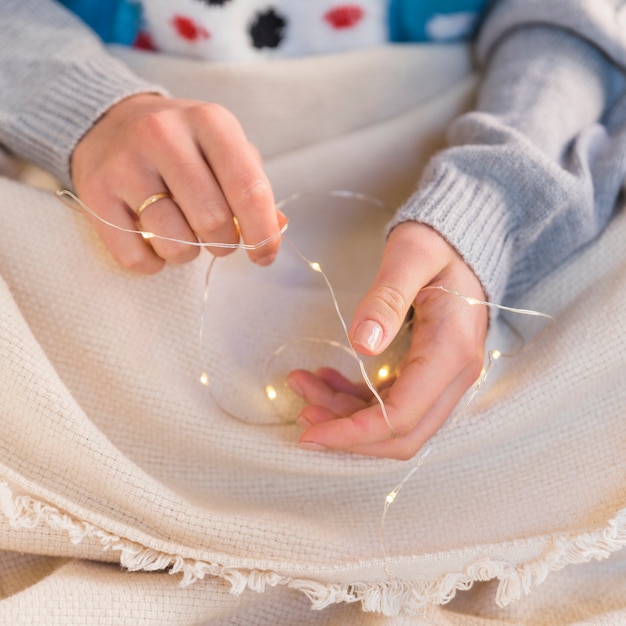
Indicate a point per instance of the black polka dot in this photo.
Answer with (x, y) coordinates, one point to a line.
(214, 2)
(267, 29)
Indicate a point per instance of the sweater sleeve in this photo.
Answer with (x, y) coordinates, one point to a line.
(56, 80)
(528, 177)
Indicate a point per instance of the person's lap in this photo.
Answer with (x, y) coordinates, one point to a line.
(102, 418)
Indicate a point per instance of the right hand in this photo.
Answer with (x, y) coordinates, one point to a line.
(198, 152)
(444, 359)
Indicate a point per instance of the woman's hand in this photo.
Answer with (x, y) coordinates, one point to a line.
(444, 359)
(148, 144)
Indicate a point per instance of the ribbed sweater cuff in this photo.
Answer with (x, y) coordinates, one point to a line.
(470, 215)
(72, 104)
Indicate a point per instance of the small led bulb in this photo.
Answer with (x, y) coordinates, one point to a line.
(204, 379)
(270, 392)
(315, 266)
(391, 497)
(383, 372)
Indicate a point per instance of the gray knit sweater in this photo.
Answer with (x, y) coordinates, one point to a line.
(533, 173)
(530, 176)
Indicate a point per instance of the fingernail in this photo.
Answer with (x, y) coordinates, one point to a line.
(266, 260)
(302, 421)
(294, 387)
(282, 219)
(369, 334)
(311, 445)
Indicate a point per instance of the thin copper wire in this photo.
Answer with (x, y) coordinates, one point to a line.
(492, 355)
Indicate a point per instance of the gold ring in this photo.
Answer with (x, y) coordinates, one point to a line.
(155, 197)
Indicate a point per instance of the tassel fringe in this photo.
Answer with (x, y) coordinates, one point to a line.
(392, 597)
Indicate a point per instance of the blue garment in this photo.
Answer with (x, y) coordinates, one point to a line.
(434, 20)
(115, 21)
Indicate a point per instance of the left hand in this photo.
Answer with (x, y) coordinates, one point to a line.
(198, 152)
(444, 359)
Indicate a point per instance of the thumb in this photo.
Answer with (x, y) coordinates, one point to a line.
(406, 266)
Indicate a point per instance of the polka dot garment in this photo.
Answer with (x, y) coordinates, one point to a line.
(248, 29)
(226, 30)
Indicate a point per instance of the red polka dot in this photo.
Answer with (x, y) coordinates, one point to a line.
(344, 16)
(188, 29)
(143, 41)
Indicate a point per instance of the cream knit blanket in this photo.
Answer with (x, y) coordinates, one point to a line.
(111, 451)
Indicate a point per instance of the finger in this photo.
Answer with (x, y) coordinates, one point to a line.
(339, 382)
(317, 392)
(405, 268)
(313, 414)
(129, 250)
(367, 426)
(400, 448)
(404, 448)
(242, 180)
(198, 196)
(164, 218)
(440, 352)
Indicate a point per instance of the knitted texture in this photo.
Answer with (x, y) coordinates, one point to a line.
(73, 83)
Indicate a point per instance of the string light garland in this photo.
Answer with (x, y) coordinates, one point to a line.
(65, 194)
(493, 356)
(384, 372)
(270, 391)
(317, 268)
